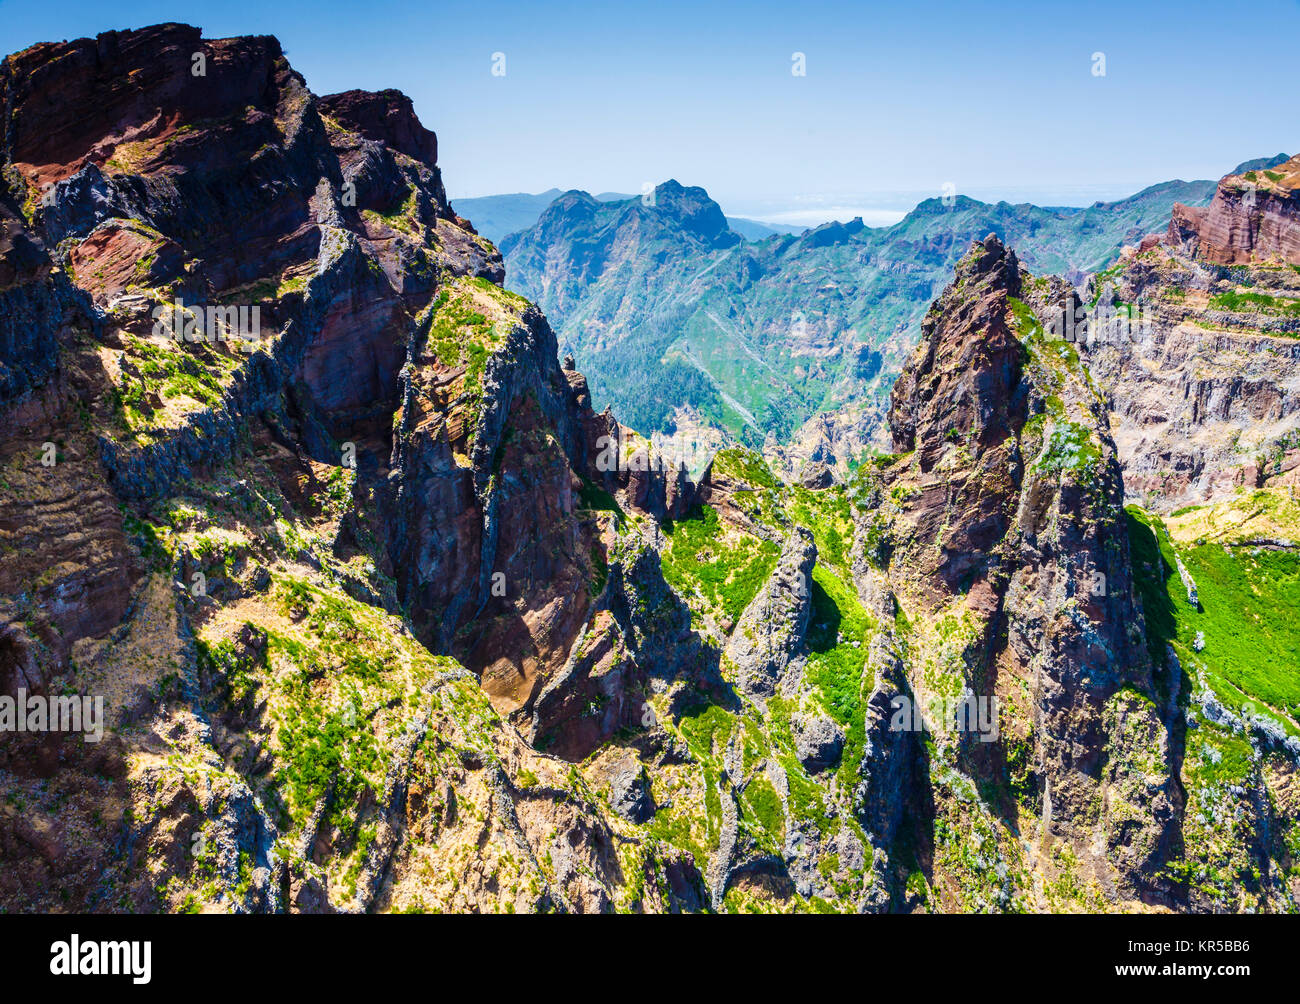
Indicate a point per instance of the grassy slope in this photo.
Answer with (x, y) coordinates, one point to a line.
(1247, 599)
(719, 570)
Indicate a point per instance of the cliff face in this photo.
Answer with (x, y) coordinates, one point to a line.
(1205, 390)
(1002, 546)
(1002, 542)
(359, 458)
(1253, 217)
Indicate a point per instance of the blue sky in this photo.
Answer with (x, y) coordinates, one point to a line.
(996, 99)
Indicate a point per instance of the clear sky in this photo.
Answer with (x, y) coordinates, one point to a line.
(902, 97)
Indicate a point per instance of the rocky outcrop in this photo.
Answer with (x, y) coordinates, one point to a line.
(818, 741)
(1253, 217)
(386, 117)
(771, 630)
(1007, 548)
(1201, 378)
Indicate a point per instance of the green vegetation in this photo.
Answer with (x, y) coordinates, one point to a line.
(837, 637)
(826, 515)
(1256, 302)
(460, 334)
(1070, 448)
(743, 465)
(153, 372)
(1028, 328)
(699, 562)
(765, 809)
(708, 730)
(1249, 637)
(405, 218)
(323, 748)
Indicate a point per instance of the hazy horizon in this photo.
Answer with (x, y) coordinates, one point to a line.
(882, 208)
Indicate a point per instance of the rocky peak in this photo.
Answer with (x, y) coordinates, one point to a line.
(1006, 523)
(1202, 390)
(693, 211)
(396, 434)
(387, 117)
(962, 379)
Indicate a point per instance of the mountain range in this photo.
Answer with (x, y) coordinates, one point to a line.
(496, 216)
(792, 343)
(383, 615)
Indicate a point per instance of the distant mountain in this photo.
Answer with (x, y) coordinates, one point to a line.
(668, 314)
(1260, 163)
(494, 216)
(753, 230)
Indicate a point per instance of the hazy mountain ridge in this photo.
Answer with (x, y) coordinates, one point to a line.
(763, 338)
(496, 216)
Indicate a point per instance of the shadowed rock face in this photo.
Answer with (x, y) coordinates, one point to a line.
(1007, 530)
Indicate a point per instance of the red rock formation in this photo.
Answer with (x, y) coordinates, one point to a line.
(1253, 217)
(1204, 393)
(77, 102)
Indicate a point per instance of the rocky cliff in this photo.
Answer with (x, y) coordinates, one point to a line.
(1194, 338)
(303, 452)
(1253, 217)
(1004, 547)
